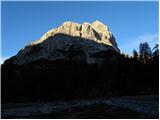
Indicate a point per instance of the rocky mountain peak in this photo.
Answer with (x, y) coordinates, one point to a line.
(100, 27)
(88, 39)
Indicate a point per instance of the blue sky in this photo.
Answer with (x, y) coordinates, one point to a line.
(130, 22)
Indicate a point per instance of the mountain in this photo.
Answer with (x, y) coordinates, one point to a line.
(72, 62)
(63, 64)
(71, 41)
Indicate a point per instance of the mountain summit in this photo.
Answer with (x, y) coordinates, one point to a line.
(71, 40)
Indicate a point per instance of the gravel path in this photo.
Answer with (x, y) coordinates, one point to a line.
(150, 108)
(146, 107)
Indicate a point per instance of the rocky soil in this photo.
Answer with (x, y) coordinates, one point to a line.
(124, 107)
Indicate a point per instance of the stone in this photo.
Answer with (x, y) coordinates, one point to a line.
(56, 43)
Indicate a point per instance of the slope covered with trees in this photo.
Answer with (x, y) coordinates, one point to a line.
(46, 80)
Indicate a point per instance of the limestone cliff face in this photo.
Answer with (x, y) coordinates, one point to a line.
(70, 41)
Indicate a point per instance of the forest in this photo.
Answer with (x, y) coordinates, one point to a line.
(46, 80)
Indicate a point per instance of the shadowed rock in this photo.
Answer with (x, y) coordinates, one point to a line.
(87, 38)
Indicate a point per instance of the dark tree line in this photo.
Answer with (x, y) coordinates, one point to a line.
(145, 54)
(45, 80)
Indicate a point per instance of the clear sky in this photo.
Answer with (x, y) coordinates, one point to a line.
(130, 22)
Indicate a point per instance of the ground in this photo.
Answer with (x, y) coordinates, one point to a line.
(116, 107)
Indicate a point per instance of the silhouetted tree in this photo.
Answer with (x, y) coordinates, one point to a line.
(145, 52)
(155, 50)
(135, 55)
(125, 55)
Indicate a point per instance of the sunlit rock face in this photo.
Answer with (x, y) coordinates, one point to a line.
(70, 41)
